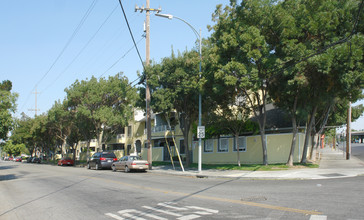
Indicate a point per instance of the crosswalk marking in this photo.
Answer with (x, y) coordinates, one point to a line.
(189, 217)
(170, 210)
(114, 216)
(140, 213)
(162, 211)
(208, 211)
(318, 217)
(166, 204)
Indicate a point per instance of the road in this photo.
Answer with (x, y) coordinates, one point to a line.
(38, 191)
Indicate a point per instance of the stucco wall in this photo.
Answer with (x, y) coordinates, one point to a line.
(278, 149)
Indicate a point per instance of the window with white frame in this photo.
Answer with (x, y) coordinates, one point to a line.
(209, 145)
(223, 145)
(241, 144)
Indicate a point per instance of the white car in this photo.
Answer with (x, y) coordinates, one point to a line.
(128, 163)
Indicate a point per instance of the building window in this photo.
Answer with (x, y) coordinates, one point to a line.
(209, 145)
(129, 131)
(182, 147)
(241, 144)
(223, 145)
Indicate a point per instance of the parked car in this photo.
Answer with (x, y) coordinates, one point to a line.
(101, 160)
(128, 163)
(18, 159)
(66, 161)
(29, 159)
(36, 160)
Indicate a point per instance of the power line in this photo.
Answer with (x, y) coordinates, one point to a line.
(84, 47)
(131, 34)
(118, 60)
(71, 38)
(65, 47)
(291, 63)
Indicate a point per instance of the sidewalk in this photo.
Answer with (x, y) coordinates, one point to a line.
(332, 165)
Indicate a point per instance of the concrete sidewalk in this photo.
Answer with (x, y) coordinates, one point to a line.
(332, 165)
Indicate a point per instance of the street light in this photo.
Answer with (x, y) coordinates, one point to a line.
(198, 35)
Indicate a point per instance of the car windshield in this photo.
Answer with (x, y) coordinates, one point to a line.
(135, 158)
(108, 155)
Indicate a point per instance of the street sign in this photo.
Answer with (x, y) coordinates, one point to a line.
(201, 132)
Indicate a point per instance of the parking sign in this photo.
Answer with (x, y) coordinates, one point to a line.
(201, 132)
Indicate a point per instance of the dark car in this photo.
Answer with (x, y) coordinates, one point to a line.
(36, 160)
(101, 160)
(29, 160)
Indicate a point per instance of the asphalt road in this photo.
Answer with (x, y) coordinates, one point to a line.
(38, 191)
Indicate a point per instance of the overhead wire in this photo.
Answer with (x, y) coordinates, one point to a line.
(84, 47)
(131, 34)
(80, 24)
(118, 60)
(291, 63)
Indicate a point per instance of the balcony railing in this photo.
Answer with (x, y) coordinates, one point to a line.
(160, 128)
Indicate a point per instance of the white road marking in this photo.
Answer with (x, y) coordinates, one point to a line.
(162, 211)
(318, 217)
(114, 216)
(171, 207)
(127, 212)
(138, 215)
(188, 217)
(210, 211)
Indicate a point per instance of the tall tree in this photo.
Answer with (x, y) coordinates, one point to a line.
(104, 102)
(7, 108)
(243, 43)
(175, 87)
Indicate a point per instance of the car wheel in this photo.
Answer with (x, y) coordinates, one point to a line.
(127, 169)
(88, 166)
(113, 168)
(96, 166)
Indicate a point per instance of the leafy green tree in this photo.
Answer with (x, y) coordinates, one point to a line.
(175, 86)
(7, 108)
(321, 47)
(104, 102)
(243, 44)
(21, 133)
(60, 122)
(13, 149)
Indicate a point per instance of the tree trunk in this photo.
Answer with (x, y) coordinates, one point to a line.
(74, 152)
(186, 141)
(307, 135)
(294, 133)
(237, 148)
(293, 144)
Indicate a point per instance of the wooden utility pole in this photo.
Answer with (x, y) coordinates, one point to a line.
(147, 9)
(35, 109)
(348, 134)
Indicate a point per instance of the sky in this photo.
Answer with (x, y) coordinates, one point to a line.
(46, 45)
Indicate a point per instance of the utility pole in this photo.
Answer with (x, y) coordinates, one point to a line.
(348, 134)
(35, 109)
(147, 9)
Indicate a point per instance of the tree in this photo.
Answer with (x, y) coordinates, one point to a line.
(175, 87)
(21, 133)
(243, 43)
(60, 122)
(323, 44)
(13, 149)
(7, 108)
(104, 102)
